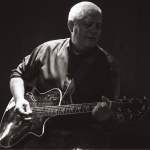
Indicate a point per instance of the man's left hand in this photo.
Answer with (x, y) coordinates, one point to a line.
(105, 115)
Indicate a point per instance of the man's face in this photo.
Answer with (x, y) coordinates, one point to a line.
(86, 31)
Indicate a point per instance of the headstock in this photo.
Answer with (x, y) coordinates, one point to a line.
(131, 106)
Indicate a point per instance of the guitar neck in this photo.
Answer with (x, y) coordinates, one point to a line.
(66, 109)
(124, 106)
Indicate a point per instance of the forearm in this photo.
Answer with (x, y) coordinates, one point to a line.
(17, 88)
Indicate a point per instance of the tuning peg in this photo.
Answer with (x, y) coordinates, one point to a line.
(124, 97)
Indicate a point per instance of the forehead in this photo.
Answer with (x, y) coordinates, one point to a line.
(92, 16)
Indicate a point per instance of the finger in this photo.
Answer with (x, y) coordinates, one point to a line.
(101, 104)
(105, 99)
(99, 113)
(22, 111)
(104, 104)
(28, 109)
(100, 108)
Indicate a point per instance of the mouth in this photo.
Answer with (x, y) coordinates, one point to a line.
(92, 38)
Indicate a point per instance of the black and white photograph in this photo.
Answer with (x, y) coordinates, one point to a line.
(75, 74)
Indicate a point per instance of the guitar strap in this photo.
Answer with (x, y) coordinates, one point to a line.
(81, 72)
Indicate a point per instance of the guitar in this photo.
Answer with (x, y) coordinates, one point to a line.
(15, 127)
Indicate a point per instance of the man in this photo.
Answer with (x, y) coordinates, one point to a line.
(55, 64)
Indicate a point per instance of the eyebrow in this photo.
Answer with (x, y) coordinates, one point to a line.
(89, 21)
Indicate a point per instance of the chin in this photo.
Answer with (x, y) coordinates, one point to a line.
(90, 45)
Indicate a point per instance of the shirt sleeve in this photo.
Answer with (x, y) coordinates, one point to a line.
(29, 68)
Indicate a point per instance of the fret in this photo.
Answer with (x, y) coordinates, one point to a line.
(64, 109)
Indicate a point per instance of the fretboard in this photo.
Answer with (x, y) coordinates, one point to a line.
(127, 106)
(65, 109)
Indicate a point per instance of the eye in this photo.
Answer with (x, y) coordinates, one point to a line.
(87, 24)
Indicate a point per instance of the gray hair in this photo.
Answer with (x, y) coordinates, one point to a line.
(82, 8)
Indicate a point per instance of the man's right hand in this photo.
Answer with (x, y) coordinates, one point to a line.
(23, 107)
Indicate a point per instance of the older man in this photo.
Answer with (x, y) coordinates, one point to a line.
(55, 64)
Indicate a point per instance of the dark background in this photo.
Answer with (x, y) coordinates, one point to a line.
(125, 34)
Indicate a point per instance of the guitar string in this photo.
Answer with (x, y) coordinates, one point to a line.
(67, 109)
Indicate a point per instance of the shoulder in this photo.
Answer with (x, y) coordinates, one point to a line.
(55, 43)
(52, 46)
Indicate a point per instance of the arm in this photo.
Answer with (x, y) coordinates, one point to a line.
(17, 89)
(26, 72)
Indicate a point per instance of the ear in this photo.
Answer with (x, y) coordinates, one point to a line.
(70, 25)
